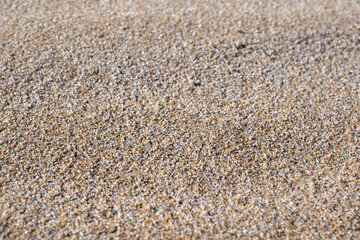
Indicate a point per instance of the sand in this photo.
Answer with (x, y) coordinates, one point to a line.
(179, 119)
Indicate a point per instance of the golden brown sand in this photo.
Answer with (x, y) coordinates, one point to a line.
(179, 119)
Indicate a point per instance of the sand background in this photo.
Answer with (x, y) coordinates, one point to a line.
(179, 119)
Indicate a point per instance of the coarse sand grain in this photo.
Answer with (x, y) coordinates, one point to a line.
(179, 119)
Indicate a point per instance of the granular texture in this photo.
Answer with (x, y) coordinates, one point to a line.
(179, 119)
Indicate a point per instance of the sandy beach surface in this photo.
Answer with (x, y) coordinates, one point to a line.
(179, 119)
